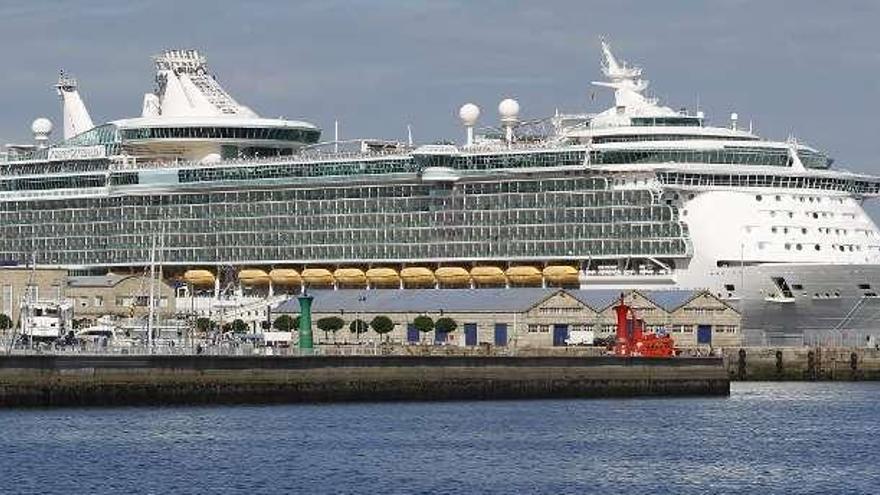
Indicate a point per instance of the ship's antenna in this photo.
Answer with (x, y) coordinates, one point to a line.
(336, 136)
(409, 139)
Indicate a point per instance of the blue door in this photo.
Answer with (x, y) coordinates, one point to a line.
(412, 333)
(470, 334)
(560, 335)
(704, 334)
(501, 334)
(440, 337)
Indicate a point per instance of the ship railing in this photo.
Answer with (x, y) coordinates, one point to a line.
(125, 165)
(245, 347)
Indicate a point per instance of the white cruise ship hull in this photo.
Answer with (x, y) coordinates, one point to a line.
(828, 304)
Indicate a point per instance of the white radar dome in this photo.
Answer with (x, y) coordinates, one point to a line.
(469, 113)
(41, 125)
(509, 109)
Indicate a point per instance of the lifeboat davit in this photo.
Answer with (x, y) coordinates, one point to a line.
(561, 275)
(418, 276)
(350, 277)
(524, 275)
(199, 277)
(317, 277)
(253, 277)
(383, 277)
(285, 276)
(454, 276)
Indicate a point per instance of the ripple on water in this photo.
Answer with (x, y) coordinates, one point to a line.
(766, 438)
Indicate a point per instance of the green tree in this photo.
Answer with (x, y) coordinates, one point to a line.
(286, 323)
(358, 327)
(5, 322)
(423, 324)
(330, 324)
(205, 325)
(382, 325)
(239, 326)
(445, 325)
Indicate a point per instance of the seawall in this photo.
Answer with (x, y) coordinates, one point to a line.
(53, 380)
(802, 363)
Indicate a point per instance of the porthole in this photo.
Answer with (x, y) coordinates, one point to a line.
(799, 247)
(773, 229)
(817, 247)
(758, 197)
(803, 230)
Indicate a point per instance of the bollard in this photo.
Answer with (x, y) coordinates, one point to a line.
(811, 366)
(741, 365)
(854, 365)
(779, 367)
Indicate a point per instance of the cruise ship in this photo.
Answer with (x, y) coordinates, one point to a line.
(636, 196)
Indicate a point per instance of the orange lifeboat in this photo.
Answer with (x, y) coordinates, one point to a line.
(317, 277)
(418, 276)
(253, 277)
(561, 275)
(199, 278)
(452, 276)
(285, 277)
(383, 277)
(350, 277)
(488, 276)
(527, 276)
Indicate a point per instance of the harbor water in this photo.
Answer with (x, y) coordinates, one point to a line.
(765, 438)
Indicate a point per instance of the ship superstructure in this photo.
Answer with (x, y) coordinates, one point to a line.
(639, 195)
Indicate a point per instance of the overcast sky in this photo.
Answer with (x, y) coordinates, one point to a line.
(808, 68)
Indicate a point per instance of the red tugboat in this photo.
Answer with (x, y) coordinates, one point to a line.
(632, 340)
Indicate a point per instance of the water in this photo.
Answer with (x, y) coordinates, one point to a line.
(766, 438)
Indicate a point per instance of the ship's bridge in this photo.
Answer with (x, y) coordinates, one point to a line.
(212, 138)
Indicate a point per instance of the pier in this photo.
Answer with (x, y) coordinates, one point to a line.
(55, 380)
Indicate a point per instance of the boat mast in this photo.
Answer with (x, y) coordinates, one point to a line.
(152, 295)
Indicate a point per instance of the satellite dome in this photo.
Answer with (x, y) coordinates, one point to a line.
(509, 109)
(41, 125)
(469, 113)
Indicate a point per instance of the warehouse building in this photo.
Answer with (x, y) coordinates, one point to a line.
(118, 295)
(524, 317)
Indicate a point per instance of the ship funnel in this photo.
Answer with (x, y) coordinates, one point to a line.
(76, 118)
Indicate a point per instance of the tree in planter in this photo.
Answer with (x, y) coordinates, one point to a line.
(239, 326)
(5, 322)
(424, 324)
(443, 326)
(382, 325)
(205, 325)
(330, 324)
(358, 327)
(286, 323)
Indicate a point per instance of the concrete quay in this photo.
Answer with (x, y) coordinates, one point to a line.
(802, 363)
(55, 380)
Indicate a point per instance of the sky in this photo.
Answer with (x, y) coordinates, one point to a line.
(809, 69)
